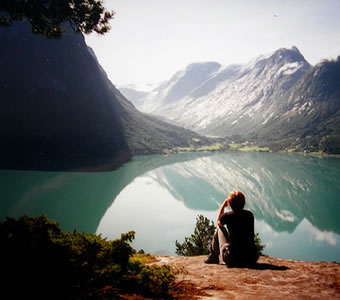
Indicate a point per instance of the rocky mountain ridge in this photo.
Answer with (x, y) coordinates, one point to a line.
(309, 112)
(253, 101)
(215, 105)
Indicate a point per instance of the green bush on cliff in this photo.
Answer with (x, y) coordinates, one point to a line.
(199, 242)
(258, 243)
(39, 260)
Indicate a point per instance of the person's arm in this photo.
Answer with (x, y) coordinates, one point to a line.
(223, 206)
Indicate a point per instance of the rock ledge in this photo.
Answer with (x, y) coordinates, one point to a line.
(272, 278)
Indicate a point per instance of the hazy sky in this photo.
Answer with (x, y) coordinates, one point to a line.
(152, 39)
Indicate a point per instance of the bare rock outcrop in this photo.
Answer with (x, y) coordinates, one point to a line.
(271, 278)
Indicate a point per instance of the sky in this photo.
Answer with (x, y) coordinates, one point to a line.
(150, 40)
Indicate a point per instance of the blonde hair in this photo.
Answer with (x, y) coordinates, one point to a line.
(237, 200)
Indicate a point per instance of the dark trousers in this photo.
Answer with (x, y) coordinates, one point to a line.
(220, 250)
(220, 245)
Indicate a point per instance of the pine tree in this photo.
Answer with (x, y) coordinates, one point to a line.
(199, 242)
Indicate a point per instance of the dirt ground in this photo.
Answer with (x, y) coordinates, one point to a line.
(272, 278)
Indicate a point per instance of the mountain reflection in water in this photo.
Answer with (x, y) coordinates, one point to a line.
(282, 190)
(295, 199)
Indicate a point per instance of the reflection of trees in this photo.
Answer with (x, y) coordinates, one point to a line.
(280, 189)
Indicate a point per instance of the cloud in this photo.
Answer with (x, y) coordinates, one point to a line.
(323, 236)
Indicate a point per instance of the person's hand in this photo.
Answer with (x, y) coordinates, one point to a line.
(226, 202)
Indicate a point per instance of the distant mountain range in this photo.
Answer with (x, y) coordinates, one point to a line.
(278, 100)
(58, 110)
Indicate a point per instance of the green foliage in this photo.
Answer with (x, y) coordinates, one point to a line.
(209, 147)
(150, 281)
(47, 16)
(199, 242)
(258, 243)
(246, 147)
(42, 260)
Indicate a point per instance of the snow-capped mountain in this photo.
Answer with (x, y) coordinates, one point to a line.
(277, 100)
(308, 115)
(224, 101)
(182, 84)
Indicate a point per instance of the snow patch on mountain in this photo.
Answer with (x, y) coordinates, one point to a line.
(290, 68)
(266, 120)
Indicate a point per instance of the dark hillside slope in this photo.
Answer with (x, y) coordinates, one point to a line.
(59, 111)
(146, 134)
(55, 108)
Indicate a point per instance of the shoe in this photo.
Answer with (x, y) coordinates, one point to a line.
(211, 260)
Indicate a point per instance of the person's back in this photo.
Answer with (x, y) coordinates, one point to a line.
(236, 247)
(240, 226)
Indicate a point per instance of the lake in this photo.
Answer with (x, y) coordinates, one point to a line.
(295, 199)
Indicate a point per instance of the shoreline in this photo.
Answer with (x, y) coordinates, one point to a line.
(99, 165)
(311, 154)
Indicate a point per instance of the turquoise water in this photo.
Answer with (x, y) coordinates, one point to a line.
(295, 199)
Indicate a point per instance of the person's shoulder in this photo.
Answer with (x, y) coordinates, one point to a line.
(227, 216)
(247, 212)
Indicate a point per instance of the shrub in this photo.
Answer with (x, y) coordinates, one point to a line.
(258, 243)
(41, 261)
(199, 242)
(151, 281)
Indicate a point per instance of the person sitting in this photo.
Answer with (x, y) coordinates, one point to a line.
(235, 244)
